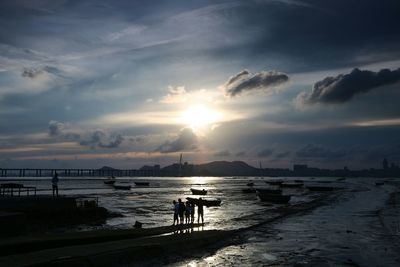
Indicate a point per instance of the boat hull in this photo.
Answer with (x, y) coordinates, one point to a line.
(205, 202)
(198, 192)
(122, 187)
(320, 188)
(142, 183)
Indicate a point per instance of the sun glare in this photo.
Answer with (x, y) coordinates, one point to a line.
(200, 117)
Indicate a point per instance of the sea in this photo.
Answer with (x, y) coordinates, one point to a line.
(358, 226)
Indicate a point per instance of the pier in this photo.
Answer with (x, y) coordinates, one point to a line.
(77, 172)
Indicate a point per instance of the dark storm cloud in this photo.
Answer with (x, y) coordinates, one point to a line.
(344, 87)
(223, 153)
(102, 139)
(244, 81)
(186, 141)
(324, 34)
(55, 128)
(314, 151)
(31, 72)
(265, 153)
(114, 143)
(94, 139)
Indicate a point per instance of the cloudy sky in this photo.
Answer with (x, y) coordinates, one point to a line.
(127, 83)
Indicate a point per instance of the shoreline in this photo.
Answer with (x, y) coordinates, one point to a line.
(118, 247)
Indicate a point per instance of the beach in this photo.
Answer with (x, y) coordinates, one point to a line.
(314, 229)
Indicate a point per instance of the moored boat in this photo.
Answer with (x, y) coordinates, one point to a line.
(319, 188)
(201, 192)
(142, 183)
(110, 180)
(208, 202)
(122, 186)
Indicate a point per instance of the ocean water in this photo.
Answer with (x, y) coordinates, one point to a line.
(152, 205)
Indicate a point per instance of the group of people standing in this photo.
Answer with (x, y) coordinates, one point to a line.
(184, 212)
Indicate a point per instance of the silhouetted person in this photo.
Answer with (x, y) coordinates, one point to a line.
(182, 209)
(176, 212)
(200, 211)
(54, 182)
(187, 212)
(192, 212)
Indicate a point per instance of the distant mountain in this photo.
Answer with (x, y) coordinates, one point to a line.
(225, 168)
(106, 168)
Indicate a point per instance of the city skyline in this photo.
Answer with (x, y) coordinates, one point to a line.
(85, 84)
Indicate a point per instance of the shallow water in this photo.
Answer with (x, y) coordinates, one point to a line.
(152, 205)
(347, 231)
(357, 226)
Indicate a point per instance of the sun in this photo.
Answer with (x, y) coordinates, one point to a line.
(200, 117)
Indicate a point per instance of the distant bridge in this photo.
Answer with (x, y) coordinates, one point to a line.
(76, 172)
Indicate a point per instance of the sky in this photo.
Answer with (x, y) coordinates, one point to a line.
(125, 83)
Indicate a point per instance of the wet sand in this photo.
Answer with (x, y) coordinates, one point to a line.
(357, 227)
(153, 246)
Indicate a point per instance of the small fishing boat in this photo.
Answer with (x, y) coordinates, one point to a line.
(250, 184)
(201, 192)
(319, 188)
(110, 180)
(379, 183)
(142, 183)
(122, 186)
(274, 198)
(208, 202)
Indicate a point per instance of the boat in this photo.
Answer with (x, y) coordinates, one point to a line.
(208, 202)
(110, 180)
(142, 183)
(319, 188)
(198, 191)
(249, 190)
(274, 198)
(250, 184)
(379, 183)
(122, 186)
(292, 185)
